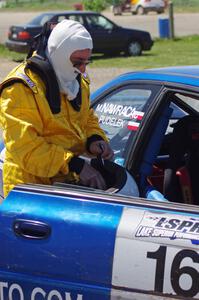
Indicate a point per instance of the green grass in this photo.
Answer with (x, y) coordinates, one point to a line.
(182, 51)
(186, 5)
(43, 5)
(5, 53)
(39, 5)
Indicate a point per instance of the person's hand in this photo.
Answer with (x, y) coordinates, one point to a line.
(101, 148)
(91, 177)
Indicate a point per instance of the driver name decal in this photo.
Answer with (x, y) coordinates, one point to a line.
(116, 115)
(111, 121)
(125, 111)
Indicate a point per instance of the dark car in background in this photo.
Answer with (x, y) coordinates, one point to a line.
(108, 37)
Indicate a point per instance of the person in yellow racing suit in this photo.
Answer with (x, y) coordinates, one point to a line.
(41, 146)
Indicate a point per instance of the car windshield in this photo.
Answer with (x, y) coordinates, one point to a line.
(40, 20)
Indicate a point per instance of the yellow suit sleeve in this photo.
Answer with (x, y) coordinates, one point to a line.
(23, 134)
(93, 126)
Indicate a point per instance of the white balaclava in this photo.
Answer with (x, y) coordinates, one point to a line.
(67, 37)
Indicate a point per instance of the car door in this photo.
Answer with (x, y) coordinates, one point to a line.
(152, 151)
(56, 244)
(157, 3)
(105, 34)
(69, 243)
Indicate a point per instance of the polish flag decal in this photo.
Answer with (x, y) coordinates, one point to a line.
(133, 125)
(138, 115)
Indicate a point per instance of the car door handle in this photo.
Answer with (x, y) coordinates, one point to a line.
(31, 229)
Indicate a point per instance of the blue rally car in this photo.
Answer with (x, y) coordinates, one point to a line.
(66, 242)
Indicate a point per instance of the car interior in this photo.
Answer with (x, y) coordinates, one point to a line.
(174, 171)
(170, 160)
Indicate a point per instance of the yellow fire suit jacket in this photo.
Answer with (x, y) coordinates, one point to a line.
(39, 144)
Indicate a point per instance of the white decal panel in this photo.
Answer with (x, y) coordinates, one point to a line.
(156, 252)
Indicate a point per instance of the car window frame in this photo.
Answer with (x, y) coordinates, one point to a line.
(136, 85)
(163, 99)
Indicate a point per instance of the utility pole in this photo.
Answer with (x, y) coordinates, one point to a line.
(171, 20)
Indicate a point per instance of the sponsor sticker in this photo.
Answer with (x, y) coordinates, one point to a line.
(169, 226)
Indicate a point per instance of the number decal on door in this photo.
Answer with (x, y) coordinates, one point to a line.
(176, 271)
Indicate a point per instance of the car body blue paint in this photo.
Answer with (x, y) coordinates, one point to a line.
(28, 287)
(81, 244)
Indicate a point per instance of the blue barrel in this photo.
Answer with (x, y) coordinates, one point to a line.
(163, 27)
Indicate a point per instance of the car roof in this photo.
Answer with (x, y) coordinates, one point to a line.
(187, 75)
(183, 74)
(68, 12)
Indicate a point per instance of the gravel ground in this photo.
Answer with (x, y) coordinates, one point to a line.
(98, 76)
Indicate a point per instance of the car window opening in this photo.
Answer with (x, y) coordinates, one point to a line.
(174, 171)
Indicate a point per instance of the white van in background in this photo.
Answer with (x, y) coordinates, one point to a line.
(140, 7)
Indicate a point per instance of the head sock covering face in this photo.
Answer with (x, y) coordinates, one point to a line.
(67, 37)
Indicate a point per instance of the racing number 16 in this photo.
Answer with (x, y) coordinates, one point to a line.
(176, 271)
